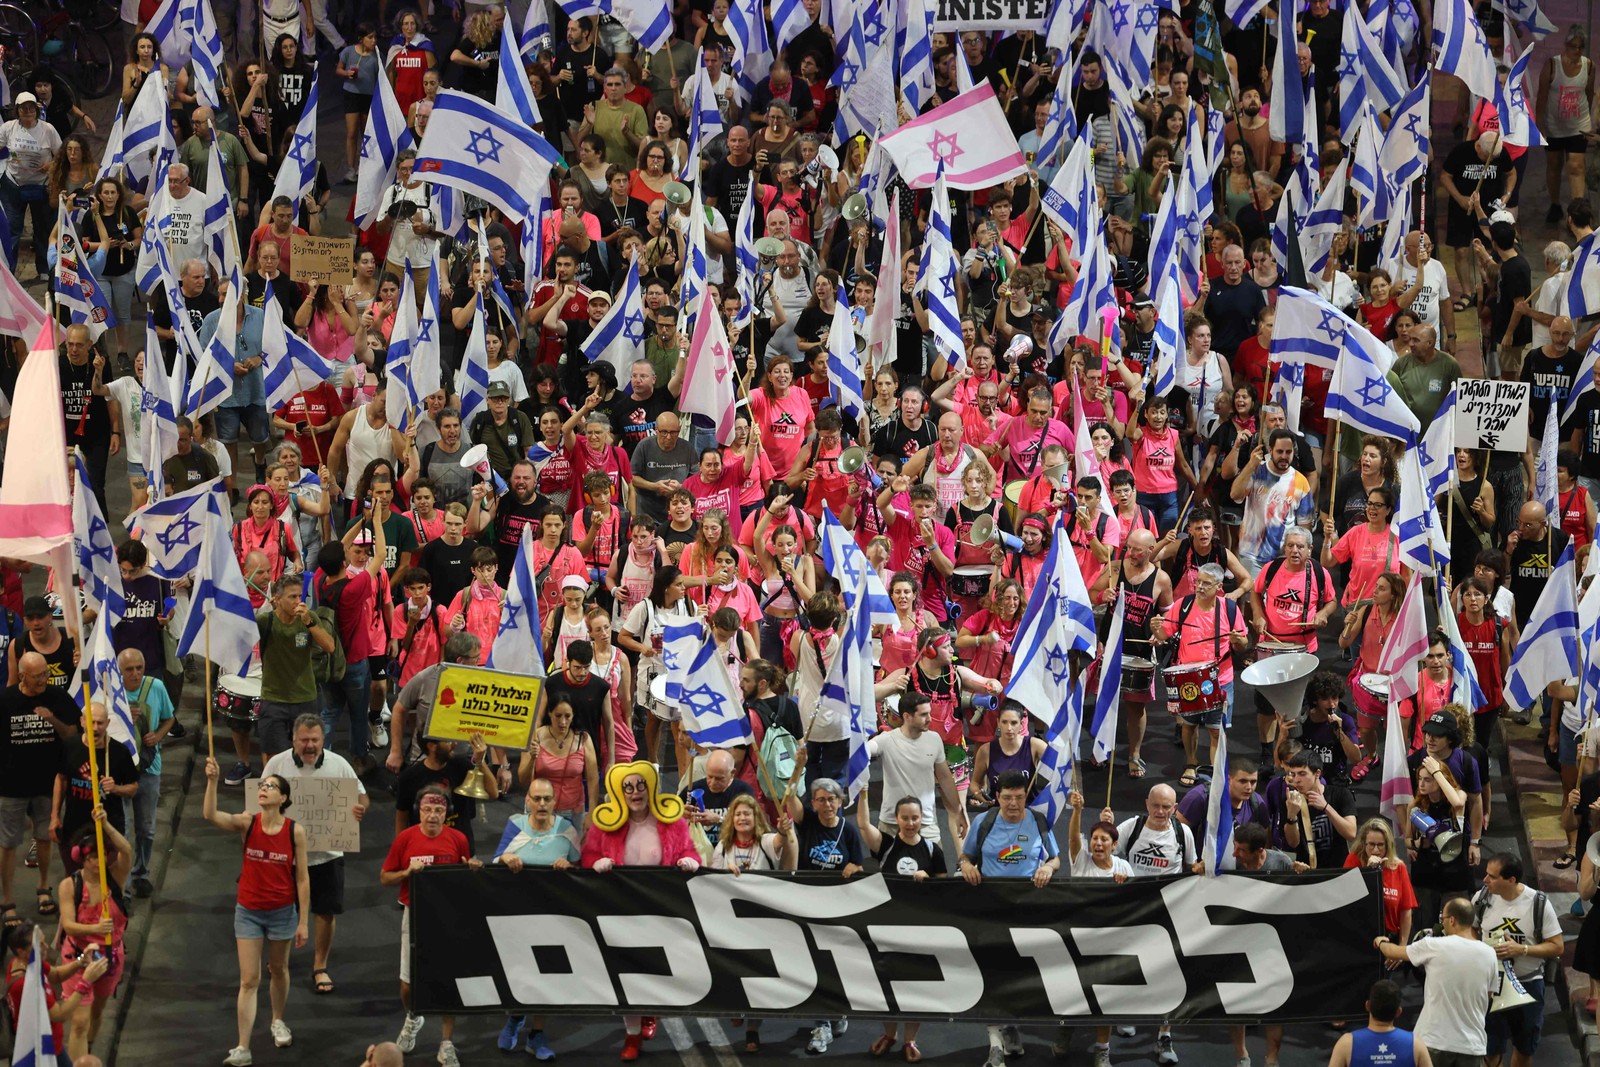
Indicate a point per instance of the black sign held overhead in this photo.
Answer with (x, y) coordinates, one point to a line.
(990, 14)
(652, 941)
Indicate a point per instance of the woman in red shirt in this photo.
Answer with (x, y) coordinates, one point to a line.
(1489, 640)
(410, 57)
(1374, 847)
(273, 904)
(1381, 307)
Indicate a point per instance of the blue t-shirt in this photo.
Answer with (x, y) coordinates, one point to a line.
(1012, 849)
(157, 710)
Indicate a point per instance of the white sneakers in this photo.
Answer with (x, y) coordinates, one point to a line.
(821, 1038)
(1165, 1053)
(1011, 1040)
(238, 1057)
(408, 1033)
(447, 1054)
(280, 1034)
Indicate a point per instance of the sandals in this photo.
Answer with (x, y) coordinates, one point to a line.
(1189, 776)
(912, 1053)
(1565, 860)
(324, 985)
(752, 1042)
(9, 916)
(47, 902)
(1135, 770)
(1360, 770)
(1462, 303)
(880, 1048)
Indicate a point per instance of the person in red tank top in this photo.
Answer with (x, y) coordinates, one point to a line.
(274, 900)
(1577, 506)
(1489, 641)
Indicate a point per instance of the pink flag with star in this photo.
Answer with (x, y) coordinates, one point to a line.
(708, 376)
(969, 135)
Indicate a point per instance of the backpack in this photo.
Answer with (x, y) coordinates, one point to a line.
(329, 666)
(1480, 904)
(987, 825)
(1324, 581)
(778, 747)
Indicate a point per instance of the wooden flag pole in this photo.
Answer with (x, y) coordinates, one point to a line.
(94, 789)
(211, 741)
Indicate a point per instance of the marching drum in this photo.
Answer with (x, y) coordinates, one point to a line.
(971, 583)
(1193, 688)
(239, 699)
(1268, 649)
(1136, 674)
(1371, 694)
(660, 706)
(1013, 491)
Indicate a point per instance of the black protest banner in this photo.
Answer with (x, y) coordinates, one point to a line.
(990, 14)
(654, 941)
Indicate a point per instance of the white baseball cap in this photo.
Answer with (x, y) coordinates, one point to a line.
(26, 98)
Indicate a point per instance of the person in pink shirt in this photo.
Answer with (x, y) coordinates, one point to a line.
(719, 483)
(1370, 548)
(1157, 460)
(782, 412)
(1293, 596)
(554, 559)
(756, 477)
(476, 608)
(420, 627)
(919, 545)
(1208, 628)
(1024, 438)
(1095, 536)
(783, 514)
(983, 424)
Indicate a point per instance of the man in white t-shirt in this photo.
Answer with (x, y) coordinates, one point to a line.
(1518, 922)
(1463, 975)
(1432, 300)
(1157, 845)
(184, 212)
(913, 764)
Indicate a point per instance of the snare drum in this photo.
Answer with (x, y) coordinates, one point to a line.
(971, 583)
(239, 699)
(1013, 491)
(1371, 694)
(1137, 673)
(660, 706)
(1268, 649)
(1193, 688)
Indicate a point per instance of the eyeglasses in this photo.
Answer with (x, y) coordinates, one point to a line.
(635, 787)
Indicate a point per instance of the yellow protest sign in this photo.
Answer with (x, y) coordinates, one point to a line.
(473, 700)
(320, 260)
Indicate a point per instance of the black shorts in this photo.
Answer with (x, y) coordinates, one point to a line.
(377, 668)
(327, 887)
(357, 103)
(1576, 143)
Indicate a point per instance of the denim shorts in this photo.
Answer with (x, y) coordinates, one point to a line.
(254, 419)
(278, 924)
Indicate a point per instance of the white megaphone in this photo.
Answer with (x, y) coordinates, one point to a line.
(1019, 347)
(853, 460)
(985, 531)
(1511, 993)
(476, 459)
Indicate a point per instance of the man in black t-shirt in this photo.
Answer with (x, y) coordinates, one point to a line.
(522, 505)
(633, 414)
(578, 69)
(708, 798)
(76, 806)
(1549, 371)
(728, 182)
(1534, 549)
(590, 697)
(36, 719)
(439, 765)
(448, 557)
(1516, 283)
(199, 300)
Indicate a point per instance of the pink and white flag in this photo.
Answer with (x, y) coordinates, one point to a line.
(969, 135)
(35, 495)
(708, 375)
(20, 314)
(1402, 654)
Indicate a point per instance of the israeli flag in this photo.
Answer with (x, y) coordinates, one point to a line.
(849, 689)
(1464, 686)
(35, 1043)
(213, 375)
(844, 363)
(477, 148)
(1108, 699)
(1437, 451)
(518, 643)
(284, 356)
(618, 339)
(914, 47)
(649, 22)
(1060, 755)
(171, 529)
(105, 680)
(1547, 651)
(749, 264)
(513, 94)
(858, 580)
(1583, 381)
(713, 710)
(1423, 545)
(1057, 622)
(1360, 394)
(159, 426)
(221, 623)
(1545, 485)
(937, 278)
(298, 171)
(1364, 75)
(1217, 849)
(96, 553)
(387, 135)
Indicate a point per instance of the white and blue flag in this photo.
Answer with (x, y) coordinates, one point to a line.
(1547, 651)
(298, 171)
(386, 136)
(1217, 848)
(221, 623)
(213, 374)
(34, 1044)
(619, 337)
(712, 707)
(858, 579)
(519, 642)
(476, 148)
(1108, 700)
(77, 289)
(287, 361)
(172, 529)
(937, 278)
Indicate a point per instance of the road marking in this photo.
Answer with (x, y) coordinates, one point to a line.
(718, 1037)
(683, 1042)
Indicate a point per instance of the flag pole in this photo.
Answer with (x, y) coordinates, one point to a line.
(211, 740)
(1111, 765)
(294, 369)
(1333, 482)
(94, 766)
